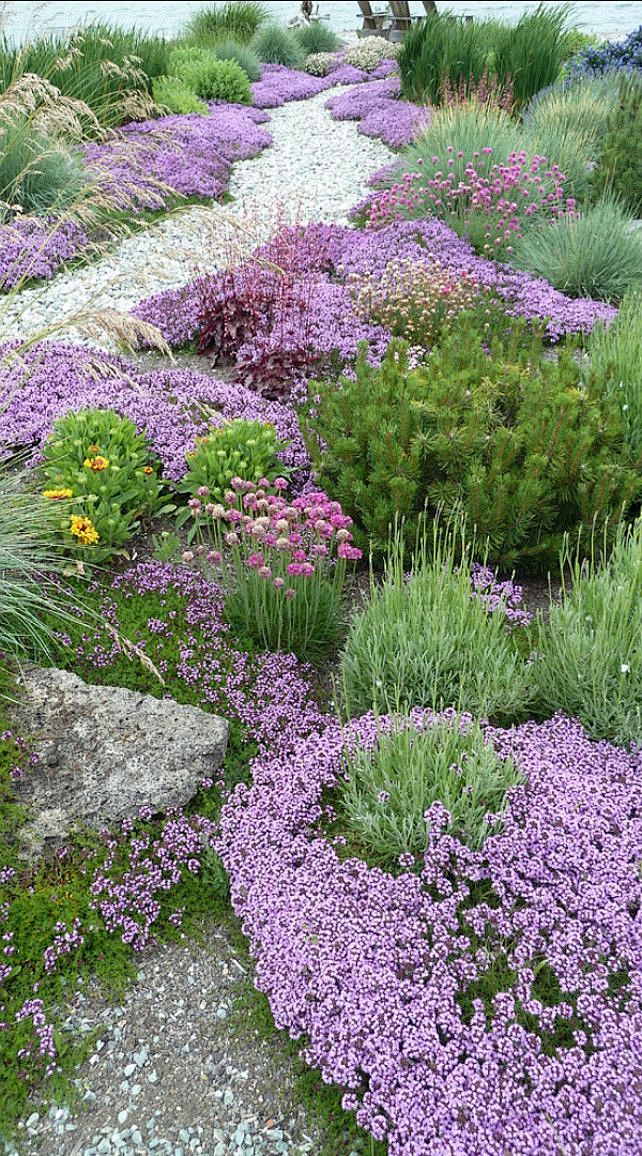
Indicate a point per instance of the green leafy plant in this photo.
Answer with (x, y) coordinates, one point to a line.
(98, 468)
(274, 44)
(387, 791)
(424, 640)
(615, 366)
(490, 426)
(174, 95)
(598, 254)
(620, 169)
(242, 54)
(208, 77)
(238, 449)
(317, 37)
(589, 656)
(576, 41)
(240, 19)
(31, 605)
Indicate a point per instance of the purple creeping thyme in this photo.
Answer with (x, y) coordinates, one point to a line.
(283, 327)
(380, 112)
(150, 161)
(280, 85)
(36, 247)
(382, 977)
(173, 406)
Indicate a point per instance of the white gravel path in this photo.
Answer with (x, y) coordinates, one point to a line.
(316, 170)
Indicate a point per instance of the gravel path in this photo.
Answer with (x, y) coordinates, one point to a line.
(175, 1071)
(316, 169)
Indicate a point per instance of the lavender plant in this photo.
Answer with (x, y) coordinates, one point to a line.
(385, 793)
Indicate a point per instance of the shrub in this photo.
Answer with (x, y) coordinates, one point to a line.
(238, 449)
(620, 169)
(242, 54)
(424, 639)
(589, 658)
(288, 561)
(100, 470)
(208, 77)
(576, 42)
(441, 53)
(276, 45)
(240, 19)
(610, 55)
(369, 53)
(30, 603)
(37, 173)
(320, 63)
(490, 426)
(174, 95)
(317, 37)
(385, 792)
(598, 254)
(615, 366)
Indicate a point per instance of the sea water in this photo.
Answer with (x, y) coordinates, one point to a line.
(24, 19)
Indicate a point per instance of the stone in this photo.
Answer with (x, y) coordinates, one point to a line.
(107, 753)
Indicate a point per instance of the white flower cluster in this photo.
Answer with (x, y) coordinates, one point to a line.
(369, 52)
(321, 63)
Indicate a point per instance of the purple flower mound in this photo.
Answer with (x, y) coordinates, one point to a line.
(279, 85)
(190, 155)
(485, 1003)
(322, 320)
(173, 406)
(36, 247)
(382, 113)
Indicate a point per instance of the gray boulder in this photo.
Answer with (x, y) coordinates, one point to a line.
(106, 752)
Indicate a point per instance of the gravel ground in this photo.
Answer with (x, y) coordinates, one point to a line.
(316, 169)
(175, 1071)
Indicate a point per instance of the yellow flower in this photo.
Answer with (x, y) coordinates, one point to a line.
(97, 463)
(58, 495)
(147, 470)
(84, 530)
(93, 449)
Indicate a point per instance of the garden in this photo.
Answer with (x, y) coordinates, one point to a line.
(370, 492)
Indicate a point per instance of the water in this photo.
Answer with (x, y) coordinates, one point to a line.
(25, 19)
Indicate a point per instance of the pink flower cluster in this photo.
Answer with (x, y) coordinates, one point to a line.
(491, 202)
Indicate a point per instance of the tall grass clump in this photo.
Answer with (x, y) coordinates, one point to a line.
(424, 640)
(441, 48)
(446, 54)
(241, 54)
(582, 106)
(239, 19)
(110, 69)
(598, 254)
(615, 359)
(386, 791)
(276, 45)
(29, 600)
(531, 52)
(317, 37)
(589, 659)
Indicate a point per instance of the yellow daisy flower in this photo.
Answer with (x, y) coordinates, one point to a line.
(84, 530)
(96, 463)
(58, 495)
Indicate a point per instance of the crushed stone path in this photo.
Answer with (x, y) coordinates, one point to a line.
(175, 1070)
(316, 170)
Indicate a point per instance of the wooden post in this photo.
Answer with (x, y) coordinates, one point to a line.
(431, 7)
(366, 11)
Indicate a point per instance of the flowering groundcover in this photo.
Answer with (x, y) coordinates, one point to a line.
(485, 1003)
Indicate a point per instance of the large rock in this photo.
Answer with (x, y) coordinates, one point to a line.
(106, 752)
